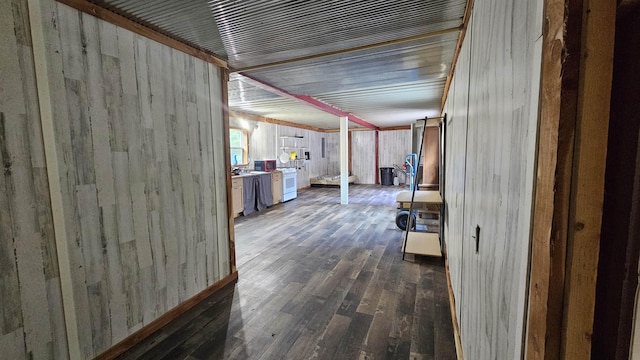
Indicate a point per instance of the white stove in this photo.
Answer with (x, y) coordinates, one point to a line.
(289, 183)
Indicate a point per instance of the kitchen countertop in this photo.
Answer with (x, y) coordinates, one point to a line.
(252, 173)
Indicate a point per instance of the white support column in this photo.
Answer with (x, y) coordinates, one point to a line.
(344, 160)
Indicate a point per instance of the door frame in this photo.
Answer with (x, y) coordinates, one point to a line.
(569, 190)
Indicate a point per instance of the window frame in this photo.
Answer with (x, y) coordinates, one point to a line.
(244, 148)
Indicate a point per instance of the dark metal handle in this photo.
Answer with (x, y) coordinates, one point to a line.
(477, 237)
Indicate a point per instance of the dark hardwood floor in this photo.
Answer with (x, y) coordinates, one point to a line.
(319, 280)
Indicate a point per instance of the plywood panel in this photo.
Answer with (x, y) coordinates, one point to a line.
(31, 325)
(495, 190)
(363, 155)
(431, 156)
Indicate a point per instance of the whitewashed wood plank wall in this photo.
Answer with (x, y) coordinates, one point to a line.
(31, 324)
(135, 130)
(394, 145)
(492, 125)
(456, 152)
(363, 156)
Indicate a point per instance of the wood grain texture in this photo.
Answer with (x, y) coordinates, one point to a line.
(143, 30)
(265, 143)
(30, 321)
(501, 111)
(394, 146)
(431, 155)
(363, 154)
(331, 285)
(559, 79)
(133, 127)
(616, 287)
(587, 185)
(456, 150)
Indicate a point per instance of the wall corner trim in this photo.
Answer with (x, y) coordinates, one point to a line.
(36, 25)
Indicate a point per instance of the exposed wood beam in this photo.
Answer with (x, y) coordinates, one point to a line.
(344, 51)
(568, 199)
(391, 128)
(587, 183)
(463, 32)
(558, 107)
(238, 114)
(142, 28)
(309, 100)
(224, 90)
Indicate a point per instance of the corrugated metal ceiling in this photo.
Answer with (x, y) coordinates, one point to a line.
(386, 85)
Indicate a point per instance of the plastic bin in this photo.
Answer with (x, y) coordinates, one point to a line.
(386, 176)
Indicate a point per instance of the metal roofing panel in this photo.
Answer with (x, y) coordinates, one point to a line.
(288, 110)
(420, 60)
(377, 84)
(260, 32)
(189, 20)
(395, 105)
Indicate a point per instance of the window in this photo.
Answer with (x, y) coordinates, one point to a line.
(238, 140)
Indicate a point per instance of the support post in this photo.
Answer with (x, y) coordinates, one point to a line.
(344, 160)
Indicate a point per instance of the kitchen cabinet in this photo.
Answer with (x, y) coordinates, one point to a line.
(276, 186)
(237, 196)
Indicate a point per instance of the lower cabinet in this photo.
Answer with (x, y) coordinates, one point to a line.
(276, 186)
(236, 196)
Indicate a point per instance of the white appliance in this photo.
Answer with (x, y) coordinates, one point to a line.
(289, 184)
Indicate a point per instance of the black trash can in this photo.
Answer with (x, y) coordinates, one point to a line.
(386, 175)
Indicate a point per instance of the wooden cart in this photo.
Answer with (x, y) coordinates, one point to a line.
(424, 202)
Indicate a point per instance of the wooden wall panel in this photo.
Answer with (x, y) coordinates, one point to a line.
(135, 126)
(318, 164)
(431, 156)
(263, 142)
(394, 146)
(456, 149)
(332, 153)
(363, 148)
(504, 40)
(31, 325)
